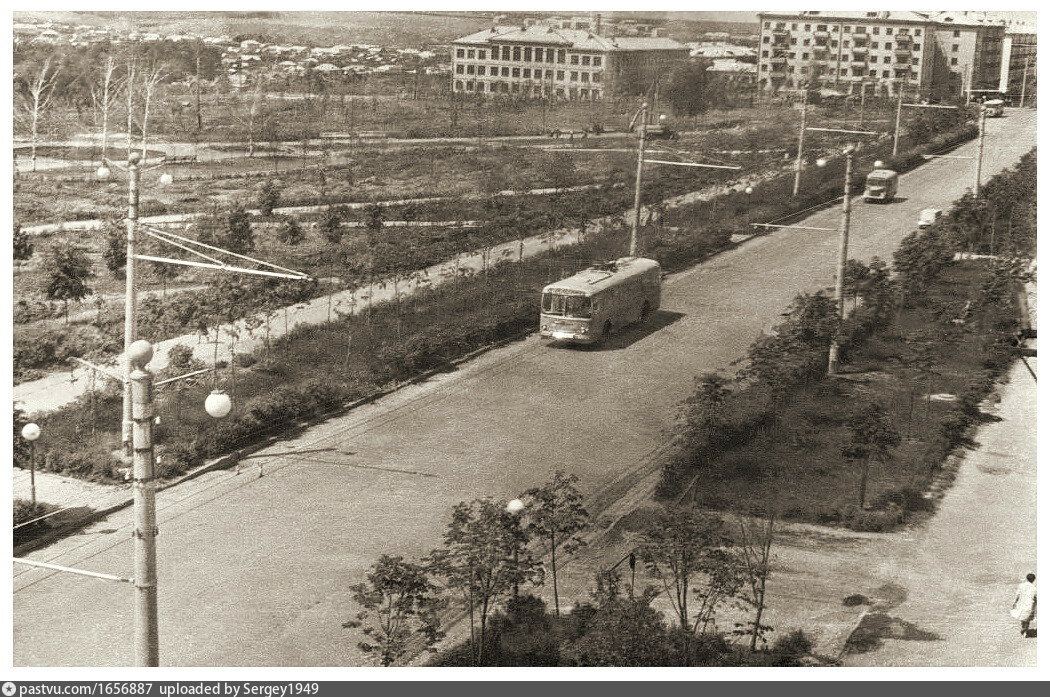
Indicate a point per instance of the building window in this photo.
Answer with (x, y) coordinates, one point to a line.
(766, 25)
(459, 53)
(550, 75)
(550, 55)
(514, 87)
(459, 69)
(597, 62)
(560, 75)
(470, 53)
(765, 39)
(470, 86)
(845, 44)
(506, 53)
(493, 70)
(955, 33)
(805, 42)
(886, 59)
(574, 76)
(807, 27)
(874, 31)
(822, 27)
(515, 72)
(834, 44)
(481, 54)
(597, 77)
(586, 60)
(885, 73)
(914, 61)
(955, 61)
(526, 72)
(872, 73)
(517, 53)
(889, 46)
(505, 72)
(794, 27)
(470, 70)
(845, 29)
(844, 71)
(955, 48)
(574, 59)
(794, 41)
(918, 32)
(805, 56)
(528, 54)
(585, 77)
(459, 84)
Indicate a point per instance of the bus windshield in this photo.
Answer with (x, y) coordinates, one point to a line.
(566, 305)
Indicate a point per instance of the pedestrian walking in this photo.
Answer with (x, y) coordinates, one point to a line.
(1024, 603)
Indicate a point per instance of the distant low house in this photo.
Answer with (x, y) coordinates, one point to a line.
(734, 70)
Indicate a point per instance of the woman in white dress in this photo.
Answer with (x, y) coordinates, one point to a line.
(1024, 603)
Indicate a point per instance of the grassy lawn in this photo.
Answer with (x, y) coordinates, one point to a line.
(799, 462)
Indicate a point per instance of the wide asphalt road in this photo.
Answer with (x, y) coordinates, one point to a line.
(255, 570)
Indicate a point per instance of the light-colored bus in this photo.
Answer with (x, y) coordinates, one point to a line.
(881, 185)
(994, 107)
(599, 300)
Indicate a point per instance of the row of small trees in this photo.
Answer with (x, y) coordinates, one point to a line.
(493, 552)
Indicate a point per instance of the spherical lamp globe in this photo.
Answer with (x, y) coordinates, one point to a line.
(879, 164)
(749, 190)
(822, 162)
(103, 173)
(515, 506)
(30, 432)
(218, 404)
(140, 353)
(166, 179)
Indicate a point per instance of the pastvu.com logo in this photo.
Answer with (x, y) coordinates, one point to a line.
(8, 689)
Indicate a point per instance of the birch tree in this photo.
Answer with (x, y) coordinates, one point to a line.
(103, 93)
(38, 96)
(149, 87)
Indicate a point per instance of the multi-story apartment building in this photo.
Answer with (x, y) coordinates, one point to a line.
(1019, 54)
(547, 61)
(878, 52)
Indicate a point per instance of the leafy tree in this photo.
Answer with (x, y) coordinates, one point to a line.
(622, 631)
(691, 91)
(290, 232)
(755, 555)
(679, 545)
(115, 248)
(399, 603)
(269, 197)
(66, 272)
(23, 248)
(236, 235)
(332, 225)
(556, 516)
(484, 557)
(872, 438)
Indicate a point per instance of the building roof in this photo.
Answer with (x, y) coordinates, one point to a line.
(569, 38)
(884, 16)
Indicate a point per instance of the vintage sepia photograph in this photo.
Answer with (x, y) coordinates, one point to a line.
(523, 338)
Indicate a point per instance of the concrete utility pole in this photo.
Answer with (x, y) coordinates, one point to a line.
(147, 652)
(980, 151)
(638, 180)
(897, 128)
(130, 304)
(833, 354)
(801, 144)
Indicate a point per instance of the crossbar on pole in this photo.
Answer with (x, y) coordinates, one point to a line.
(105, 372)
(797, 227)
(841, 130)
(931, 106)
(689, 164)
(56, 567)
(221, 267)
(183, 376)
(950, 157)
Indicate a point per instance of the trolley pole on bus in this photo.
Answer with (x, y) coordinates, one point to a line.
(638, 180)
(833, 353)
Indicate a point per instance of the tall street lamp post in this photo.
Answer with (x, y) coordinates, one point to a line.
(643, 128)
(31, 432)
